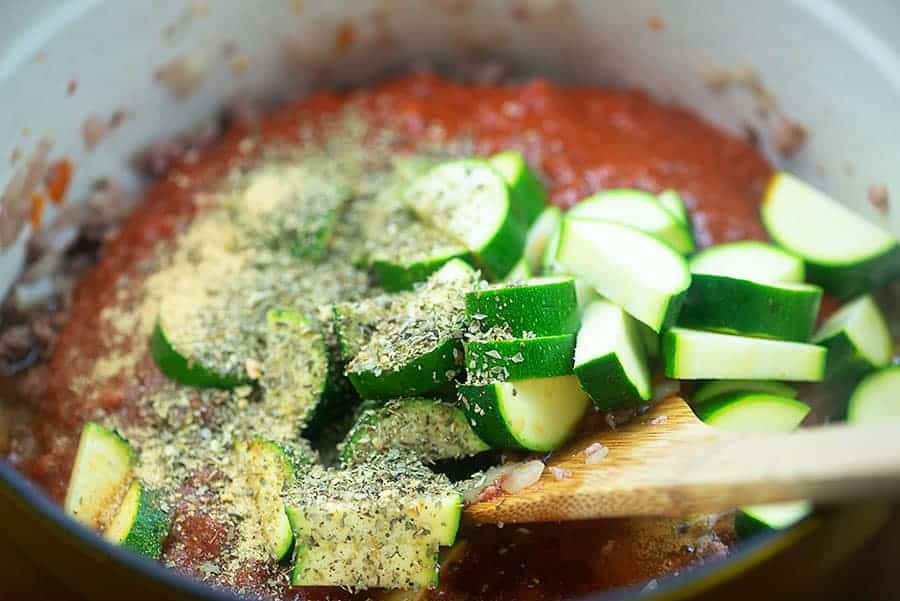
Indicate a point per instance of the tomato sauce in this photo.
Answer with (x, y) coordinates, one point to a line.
(583, 140)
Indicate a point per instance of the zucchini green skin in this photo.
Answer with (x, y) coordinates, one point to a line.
(528, 196)
(541, 307)
(488, 421)
(499, 256)
(149, 526)
(737, 306)
(845, 365)
(426, 373)
(178, 368)
(876, 399)
(522, 358)
(719, 388)
(607, 384)
(397, 277)
(847, 281)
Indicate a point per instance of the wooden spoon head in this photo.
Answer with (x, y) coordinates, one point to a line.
(585, 484)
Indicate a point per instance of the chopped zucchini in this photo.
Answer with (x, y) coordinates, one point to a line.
(610, 359)
(539, 235)
(632, 269)
(718, 388)
(514, 359)
(174, 360)
(535, 415)
(426, 429)
(415, 348)
(876, 400)
(470, 201)
(695, 355)
(753, 412)
(293, 206)
(858, 342)
(268, 470)
(527, 193)
(403, 249)
(101, 475)
(844, 253)
(640, 210)
(750, 260)
(545, 306)
(671, 201)
(737, 306)
(386, 538)
(140, 524)
(295, 371)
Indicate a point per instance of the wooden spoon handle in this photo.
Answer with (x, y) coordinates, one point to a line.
(670, 464)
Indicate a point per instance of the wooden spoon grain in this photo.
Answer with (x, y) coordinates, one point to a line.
(669, 463)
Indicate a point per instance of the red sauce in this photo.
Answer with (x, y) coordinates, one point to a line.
(583, 140)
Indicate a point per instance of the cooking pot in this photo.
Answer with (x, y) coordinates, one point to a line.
(162, 67)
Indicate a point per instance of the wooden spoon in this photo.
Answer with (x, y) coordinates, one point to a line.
(669, 463)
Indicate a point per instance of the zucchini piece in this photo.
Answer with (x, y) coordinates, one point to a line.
(876, 399)
(713, 390)
(736, 306)
(103, 471)
(545, 306)
(355, 323)
(375, 525)
(754, 519)
(632, 269)
(295, 370)
(426, 429)
(173, 359)
(754, 412)
(545, 227)
(695, 355)
(415, 348)
(140, 524)
(527, 193)
(750, 260)
(470, 201)
(844, 253)
(294, 207)
(520, 272)
(610, 359)
(535, 415)
(858, 342)
(514, 359)
(671, 201)
(268, 470)
(640, 210)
